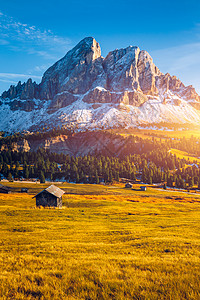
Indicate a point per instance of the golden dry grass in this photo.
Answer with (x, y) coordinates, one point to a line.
(148, 133)
(182, 154)
(120, 245)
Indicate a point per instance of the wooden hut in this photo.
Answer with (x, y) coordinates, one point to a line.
(143, 188)
(24, 190)
(5, 189)
(50, 197)
(128, 185)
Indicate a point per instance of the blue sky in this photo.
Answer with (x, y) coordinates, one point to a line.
(35, 34)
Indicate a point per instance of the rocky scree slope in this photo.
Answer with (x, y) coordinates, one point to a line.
(76, 144)
(83, 90)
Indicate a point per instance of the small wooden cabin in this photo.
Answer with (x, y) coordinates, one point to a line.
(143, 188)
(128, 185)
(50, 197)
(5, 189)
(24, 190)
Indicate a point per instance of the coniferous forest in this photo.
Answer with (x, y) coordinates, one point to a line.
(145, 160)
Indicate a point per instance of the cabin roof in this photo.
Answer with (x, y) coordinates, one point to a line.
(128, 184)
(54, 190)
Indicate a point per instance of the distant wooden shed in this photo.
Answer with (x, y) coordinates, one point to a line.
(50, 197)
(143, 188)
(128, 185)
(5, 189)
(24, 190)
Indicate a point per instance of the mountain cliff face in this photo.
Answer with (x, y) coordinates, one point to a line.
(85, 90)
(78, 144)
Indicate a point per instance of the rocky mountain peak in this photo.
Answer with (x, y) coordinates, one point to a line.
(84, 61)
(128, 54)
(131, 69)
(125, 77)
(88, 48)
(86, 51)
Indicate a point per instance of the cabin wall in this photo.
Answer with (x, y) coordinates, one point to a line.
(46, 199)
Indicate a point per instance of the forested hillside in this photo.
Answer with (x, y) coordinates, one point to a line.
(132, 158)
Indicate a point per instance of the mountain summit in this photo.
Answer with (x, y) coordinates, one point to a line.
(85, 90)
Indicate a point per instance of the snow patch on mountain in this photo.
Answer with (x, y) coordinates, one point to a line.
(81, 115)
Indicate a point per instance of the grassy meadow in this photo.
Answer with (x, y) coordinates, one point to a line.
(164, 133)
(183, 154)
(107, 242)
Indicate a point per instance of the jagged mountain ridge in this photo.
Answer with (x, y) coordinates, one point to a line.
(85, 90)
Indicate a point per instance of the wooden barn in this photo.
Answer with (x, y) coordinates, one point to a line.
(5, 189)
(50, 197)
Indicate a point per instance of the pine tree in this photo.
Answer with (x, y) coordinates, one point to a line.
(85, 180)
(96, 178)
(170, 181)
(117, 176)
(31, 172)
(82, 177)
(10, 178)
(77, 178)
(42, 177)
(16, 172)
(51, 177)
(106, 175)
(144, 174)
(182, 183)
(110, 176)
(26, 172)
(191, 181)
(133, 177)
(150, 180)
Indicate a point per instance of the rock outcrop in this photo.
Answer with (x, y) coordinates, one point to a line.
(78, 144)
(28, 90)
(22, 146)
(28, 105)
